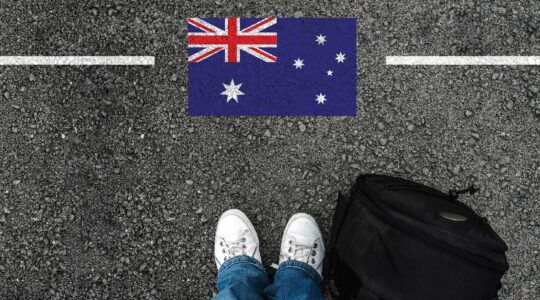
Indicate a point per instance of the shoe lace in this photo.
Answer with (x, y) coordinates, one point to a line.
(300, 251)
(236, 247)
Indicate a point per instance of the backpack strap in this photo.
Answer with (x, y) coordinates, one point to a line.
(337, 222)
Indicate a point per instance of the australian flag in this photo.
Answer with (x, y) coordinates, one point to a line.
(272, 67)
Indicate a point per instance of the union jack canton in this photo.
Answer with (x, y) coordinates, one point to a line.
(232, 40)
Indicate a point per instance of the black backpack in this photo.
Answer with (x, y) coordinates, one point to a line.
(394, 239)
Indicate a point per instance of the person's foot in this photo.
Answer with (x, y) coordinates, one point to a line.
(302, 241)
(235, 236)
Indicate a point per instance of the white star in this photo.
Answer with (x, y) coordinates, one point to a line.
(320, 39)
(320, 98)
(329, 72)
(340, 57)
(232, 91)
(299, 63)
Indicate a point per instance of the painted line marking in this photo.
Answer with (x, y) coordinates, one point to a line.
(78, 60)
(462, 60)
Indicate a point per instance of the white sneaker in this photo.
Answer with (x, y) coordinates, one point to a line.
(302, 241)
(235, 236)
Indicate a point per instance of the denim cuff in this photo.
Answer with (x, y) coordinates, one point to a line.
(303, 267)
(241, 259)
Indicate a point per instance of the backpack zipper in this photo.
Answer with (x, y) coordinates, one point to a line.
(441, 195)
(428, 239)
(472, 189)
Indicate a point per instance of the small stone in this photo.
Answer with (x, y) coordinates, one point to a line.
(468, 113)
(383, 141)
(142, 267)
(267, 133)
(455, 170)
(7, 211)
(16, 181)
(301, 127)
(189, 181)
(199, 211)
(425, 171)
(32, 77)
(2, 219)
(298, 14)
(410, 127)
(174, 77)
(500, 10)
(475, 135)
(191, 129)
(356, 166)
(533, 89)
(505, 160)
(116, 171)
(167, 216)
(14, 129)
(509, 105)
(259, 218)
(204, 219)
(380, 125)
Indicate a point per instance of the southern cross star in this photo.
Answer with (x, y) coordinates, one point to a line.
(340, 57)
(298, 63)
(320, 98)
(232, 91)
(329, 72)
(320, 39)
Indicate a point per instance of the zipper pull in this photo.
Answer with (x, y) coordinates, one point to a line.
(454, 194)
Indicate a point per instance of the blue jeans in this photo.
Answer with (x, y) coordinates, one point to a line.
(243, 277)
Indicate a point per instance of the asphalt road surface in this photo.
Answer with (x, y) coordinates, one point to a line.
(109, 190)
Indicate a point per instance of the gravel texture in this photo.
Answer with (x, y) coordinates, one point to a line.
(109, 190)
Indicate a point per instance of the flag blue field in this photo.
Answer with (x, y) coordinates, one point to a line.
(272, 67)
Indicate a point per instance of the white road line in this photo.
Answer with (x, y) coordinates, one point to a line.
(462, 60)
(78, 60)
